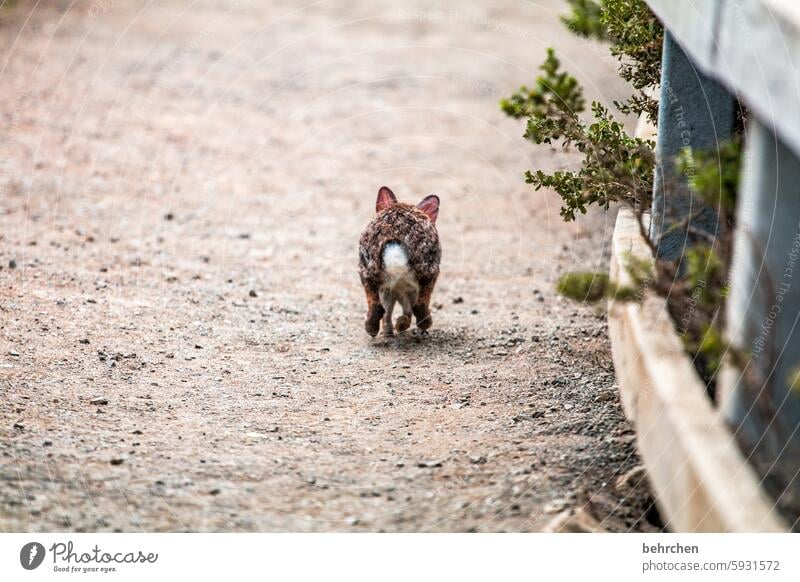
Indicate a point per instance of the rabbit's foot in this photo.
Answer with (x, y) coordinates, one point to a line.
(403, 323)
(373, 321)
(423, 315)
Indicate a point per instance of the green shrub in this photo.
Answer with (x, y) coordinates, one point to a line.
(616, 167)
(637, 39)
(584, 19)
(714, 175)
(591, 287)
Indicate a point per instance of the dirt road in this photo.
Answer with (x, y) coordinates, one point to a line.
(181, 322)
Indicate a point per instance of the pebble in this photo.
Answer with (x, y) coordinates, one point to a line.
(574, 521)
(605, 396)
(99, 401)
(117, 461)
(429, 464)
(634, 478)
(555, 506)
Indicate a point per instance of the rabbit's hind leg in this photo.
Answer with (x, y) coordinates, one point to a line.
(388, 300)
(407, 301)
(421, 308)
(374, 312)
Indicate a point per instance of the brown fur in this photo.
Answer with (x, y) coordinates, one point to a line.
(411, 227)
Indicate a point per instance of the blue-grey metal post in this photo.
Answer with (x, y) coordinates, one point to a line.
(694, 111)
(763, 403)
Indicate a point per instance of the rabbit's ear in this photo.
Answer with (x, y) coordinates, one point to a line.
(386, 198)
(430, 206)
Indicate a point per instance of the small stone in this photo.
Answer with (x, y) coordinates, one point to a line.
(634, 478)
(253, 293)
(99, 401)
(137, 431)
(458, 300)
(555, 506)
(117, 461)
(574, 521)
(429, 464)
(352, 520)
(84, 341)
(169, 216)
(477, 459)
(12, 264)
(605, 396)
(215, 491)
(13, 353)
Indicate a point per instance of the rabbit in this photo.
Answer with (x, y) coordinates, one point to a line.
(399, 254)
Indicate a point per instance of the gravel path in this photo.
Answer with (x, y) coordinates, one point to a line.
(182, 187)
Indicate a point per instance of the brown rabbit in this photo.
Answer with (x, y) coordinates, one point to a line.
(399, 256)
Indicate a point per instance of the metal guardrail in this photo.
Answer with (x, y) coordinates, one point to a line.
(750, 46)
(715, 53)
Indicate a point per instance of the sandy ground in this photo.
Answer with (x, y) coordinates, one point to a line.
(182, 187)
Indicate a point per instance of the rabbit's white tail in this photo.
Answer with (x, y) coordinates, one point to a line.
(397, 273)
(394, 257)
